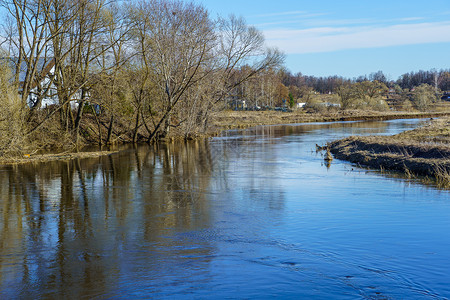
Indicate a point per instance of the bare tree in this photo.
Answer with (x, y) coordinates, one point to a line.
(179, 40)
(111, 86)
(241, 55)
(29, 44)
(77, 37)
(437, 79)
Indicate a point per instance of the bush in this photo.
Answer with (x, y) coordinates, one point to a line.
(12, 116)
(377, 104)
(423, 96)
(406, 105)
(315, 106)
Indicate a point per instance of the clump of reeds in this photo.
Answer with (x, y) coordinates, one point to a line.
(12, 129)
(442, 175)
(408, 172)
(328, 156)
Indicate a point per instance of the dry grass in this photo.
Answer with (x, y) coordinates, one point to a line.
(424, 151)
(244, 119)
(442, 175)
(437, 132)
(29, 158)
(12, 116)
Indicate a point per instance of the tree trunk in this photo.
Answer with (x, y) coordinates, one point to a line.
(136, 127)
(100, 140)
(79, 116)
(110, 128)
(165, 129)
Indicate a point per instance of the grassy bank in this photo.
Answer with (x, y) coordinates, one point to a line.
(243, 119)
(221, 121)
(424, 151)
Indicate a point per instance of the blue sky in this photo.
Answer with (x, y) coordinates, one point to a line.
(348, 37)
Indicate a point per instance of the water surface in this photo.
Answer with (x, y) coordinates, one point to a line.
(251, 214)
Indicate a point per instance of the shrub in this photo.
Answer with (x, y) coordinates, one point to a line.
(423, 96)
(12, 116)
(377, 104)
(313, 105)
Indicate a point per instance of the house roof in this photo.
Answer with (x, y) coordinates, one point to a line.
(43, 67)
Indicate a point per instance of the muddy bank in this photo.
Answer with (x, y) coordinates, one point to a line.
(423, 151)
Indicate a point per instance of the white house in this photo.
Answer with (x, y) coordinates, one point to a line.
(300, 105)
(43, 85)
(46, 70)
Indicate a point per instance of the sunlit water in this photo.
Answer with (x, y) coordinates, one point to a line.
(251, 214)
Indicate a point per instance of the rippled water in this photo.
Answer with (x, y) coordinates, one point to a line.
(251, 214)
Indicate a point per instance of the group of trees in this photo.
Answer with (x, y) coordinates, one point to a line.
(412, 90)
(437, 79)
(145, 68)
(151, 65)
(440, 80)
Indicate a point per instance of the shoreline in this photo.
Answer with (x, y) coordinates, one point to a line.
(40, 158)
(424, 151)
(245, 119)
(239, 120)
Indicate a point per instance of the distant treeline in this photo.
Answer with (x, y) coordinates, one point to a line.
(324, 85)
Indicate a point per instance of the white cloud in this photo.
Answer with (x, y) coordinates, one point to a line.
(285, 18)
(341, 22)
(412, 19)
(287, 13)
(329, 39)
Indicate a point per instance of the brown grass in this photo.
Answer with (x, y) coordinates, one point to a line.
(29, 158)
(243, 119)
(442, 175)
(423, 151)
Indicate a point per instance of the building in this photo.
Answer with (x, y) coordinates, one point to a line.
(43, 86)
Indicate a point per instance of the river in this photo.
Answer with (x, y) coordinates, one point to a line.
(253, 213)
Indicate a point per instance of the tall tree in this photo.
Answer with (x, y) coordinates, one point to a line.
(179, 41)
(240, 56)
(29, 41)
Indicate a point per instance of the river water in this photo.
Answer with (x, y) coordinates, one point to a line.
(251, 214)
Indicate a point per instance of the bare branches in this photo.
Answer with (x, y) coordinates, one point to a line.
(158, 64)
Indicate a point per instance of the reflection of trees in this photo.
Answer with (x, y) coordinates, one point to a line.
(246, 167)
(75, 228)
(260, 182)
(174, 179)
(284, 130)
(66, 227)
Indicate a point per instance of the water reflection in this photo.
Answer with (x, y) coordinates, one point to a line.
(72, 223)
(350, 128)
(254, 211)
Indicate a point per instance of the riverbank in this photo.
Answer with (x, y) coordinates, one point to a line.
(244, 119)
(39, 158)
(424, 151)
(225, 120)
